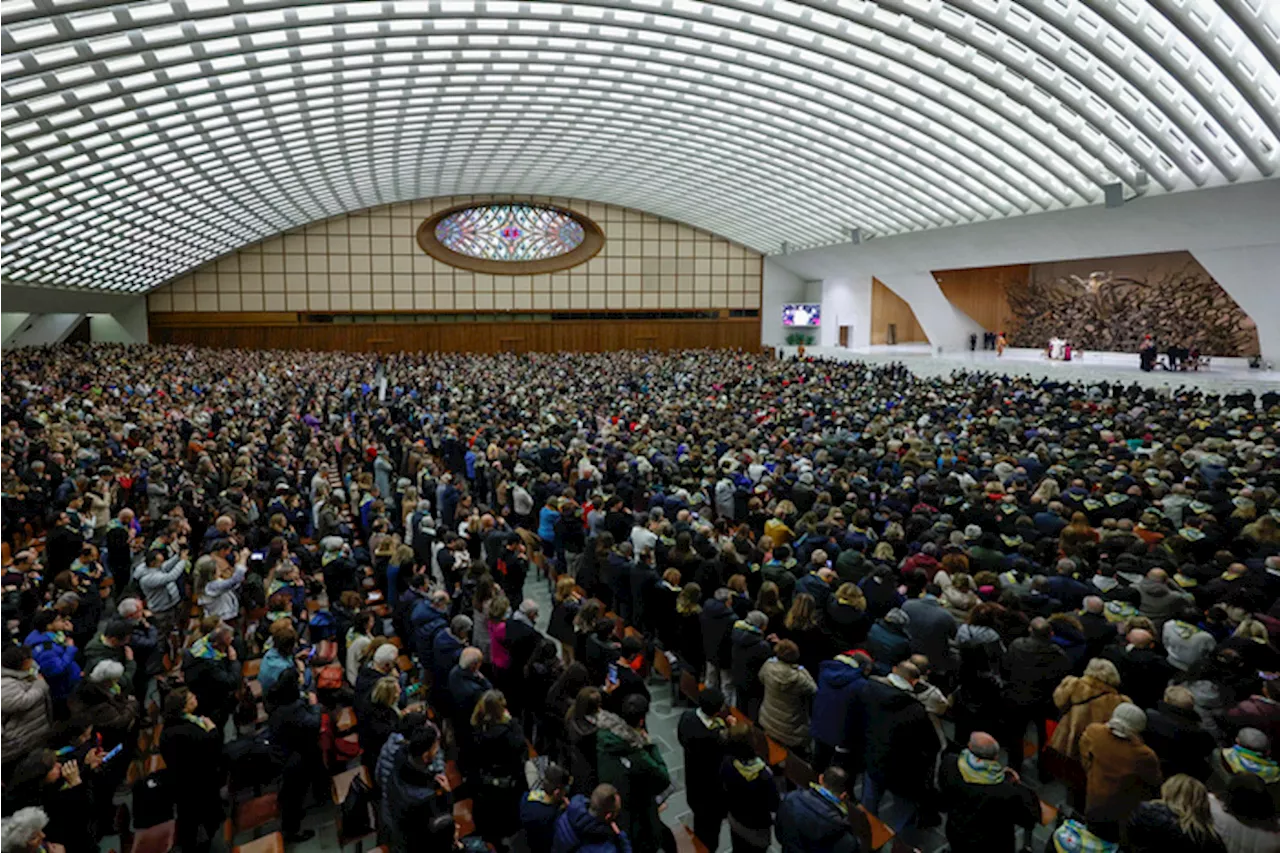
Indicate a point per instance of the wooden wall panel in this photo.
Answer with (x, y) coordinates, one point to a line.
(234, 331)
(888, 308)
(981, 292)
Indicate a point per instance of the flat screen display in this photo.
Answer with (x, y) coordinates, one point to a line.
(802, 314)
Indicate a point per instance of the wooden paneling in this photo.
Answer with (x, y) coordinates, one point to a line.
(981, 292)
(234, 330)
(888, 308)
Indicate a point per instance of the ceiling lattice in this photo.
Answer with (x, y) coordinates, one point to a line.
(143, 139)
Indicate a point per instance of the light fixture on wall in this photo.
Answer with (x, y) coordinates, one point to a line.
(855, 234)
(786, 248)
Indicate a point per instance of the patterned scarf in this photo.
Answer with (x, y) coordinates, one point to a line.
(205, 725)
(829, 797)
(204, 649)
(1242, 760)
(1074, 837)
(537, 795)
(980, 771)
(712, 723)
(59, 637)
(749, 770)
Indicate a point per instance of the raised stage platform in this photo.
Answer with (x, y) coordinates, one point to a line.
(1224, 375)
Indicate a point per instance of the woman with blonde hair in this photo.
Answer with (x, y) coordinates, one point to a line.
(1083, 701)
(495, 758)
(803, 626)
(689, 620)
(1251, 640)
(378, 719)
(1181, 820)
(567, 604)
(847, 620)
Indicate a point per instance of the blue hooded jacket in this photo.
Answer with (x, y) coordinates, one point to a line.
(57, 663)
(837, 712)
(808, 822)
(579, 831)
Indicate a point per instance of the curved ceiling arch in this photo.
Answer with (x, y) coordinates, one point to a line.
(140, 140)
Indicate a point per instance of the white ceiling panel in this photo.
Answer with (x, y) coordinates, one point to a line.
(140, 140)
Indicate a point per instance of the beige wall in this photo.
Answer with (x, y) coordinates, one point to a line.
(370, 261)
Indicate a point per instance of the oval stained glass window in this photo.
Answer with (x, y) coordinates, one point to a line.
(510, 232)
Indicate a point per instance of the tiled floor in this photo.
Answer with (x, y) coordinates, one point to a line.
(1223, 376)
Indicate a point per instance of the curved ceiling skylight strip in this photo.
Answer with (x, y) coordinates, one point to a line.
(941, 193)
(1055, 65)
(315, 34)
(1207, 31)
(1139, 33)
(140, 140)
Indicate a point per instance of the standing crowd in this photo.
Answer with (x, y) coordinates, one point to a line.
(267, 567)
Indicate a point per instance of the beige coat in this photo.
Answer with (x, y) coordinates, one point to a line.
(785, 713)
(1082, 701)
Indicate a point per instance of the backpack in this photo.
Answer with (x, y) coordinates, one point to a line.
(329, 677)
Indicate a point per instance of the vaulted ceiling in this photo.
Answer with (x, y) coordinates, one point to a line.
(142, 139)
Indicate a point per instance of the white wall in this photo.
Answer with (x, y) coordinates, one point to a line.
(125, 326)
(43, 329)
(10, 322)
(846, 301)
(780, 287)
(1235, 229)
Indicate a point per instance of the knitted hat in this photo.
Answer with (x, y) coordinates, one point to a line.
(1127, 720)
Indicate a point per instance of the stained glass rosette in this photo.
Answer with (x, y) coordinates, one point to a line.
(510, 232)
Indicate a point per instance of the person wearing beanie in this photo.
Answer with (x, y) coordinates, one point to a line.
(1120, 770)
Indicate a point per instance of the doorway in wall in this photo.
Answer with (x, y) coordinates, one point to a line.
(846, 334)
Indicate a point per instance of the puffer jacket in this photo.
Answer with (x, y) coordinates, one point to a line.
(1082, 701)
(579, 831)
(784, 715)
(27, 709)
(837, 711)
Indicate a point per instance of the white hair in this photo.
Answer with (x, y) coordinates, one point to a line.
(19, 828)
(128, 608)
(107, 670)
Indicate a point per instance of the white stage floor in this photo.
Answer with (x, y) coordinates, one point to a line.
(1224, 375)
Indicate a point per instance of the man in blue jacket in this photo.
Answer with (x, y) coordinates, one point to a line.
(816, 819)
(591, 826)
(429, 616)
(837, 711)
(55, 652)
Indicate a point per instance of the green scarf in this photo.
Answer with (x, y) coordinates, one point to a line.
(204, 649)
(205, 725)
(749, 770)
(712, 723)
(980, 771)
(1242, 760)
(537, 795)
(829, 797)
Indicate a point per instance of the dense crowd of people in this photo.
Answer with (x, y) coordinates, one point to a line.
(912, 584)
